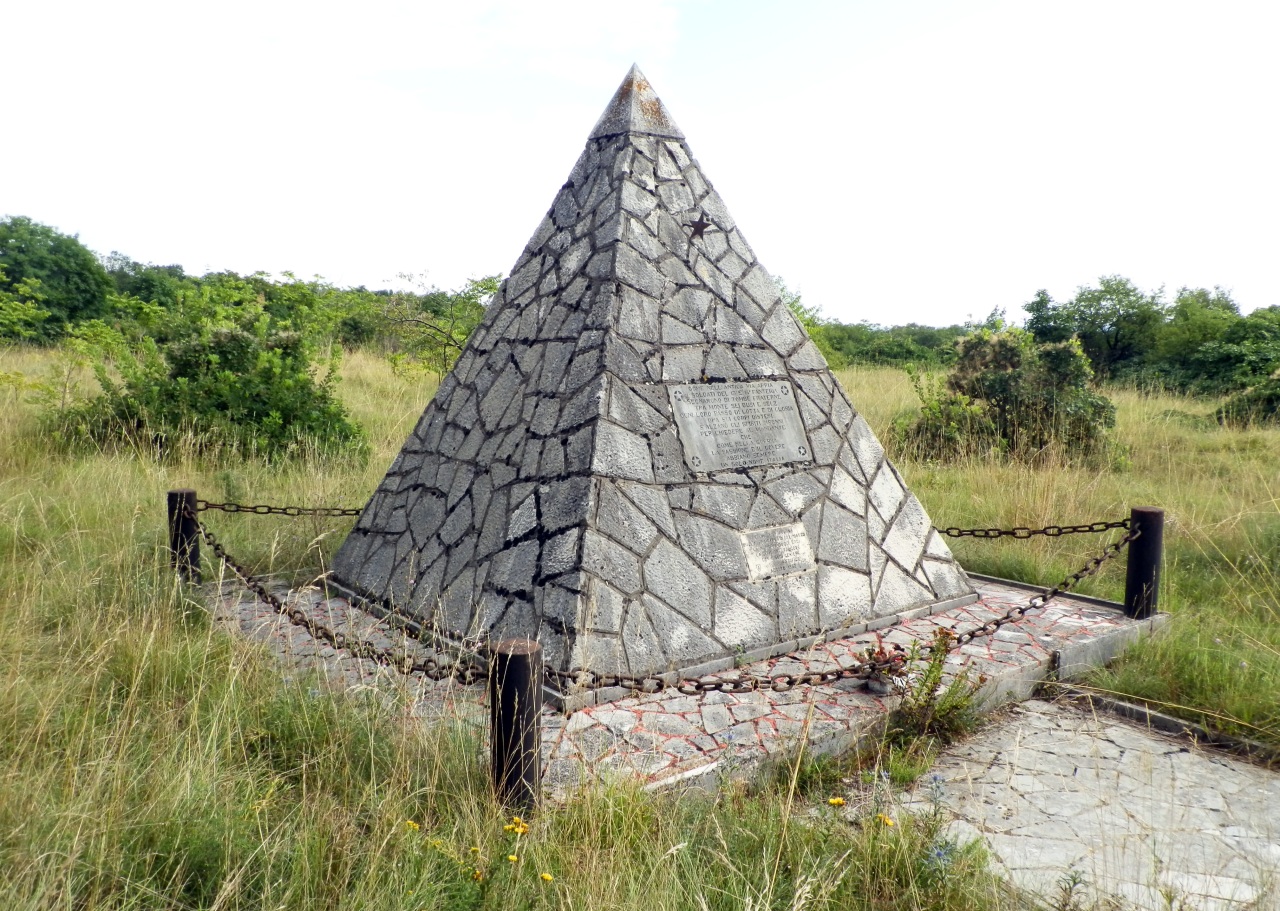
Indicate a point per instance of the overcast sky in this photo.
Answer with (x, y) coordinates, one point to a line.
(894, 161)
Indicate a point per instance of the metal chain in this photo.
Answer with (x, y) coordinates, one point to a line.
(1038, 601)
(263, 510)
(879, 662)
(465, 671)
(1022, 532)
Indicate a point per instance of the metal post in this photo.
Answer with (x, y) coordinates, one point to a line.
(1142, 576)
(184, 536)
(515, 724)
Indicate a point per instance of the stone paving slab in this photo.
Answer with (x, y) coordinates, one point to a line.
(1138, 815)
(667, 739)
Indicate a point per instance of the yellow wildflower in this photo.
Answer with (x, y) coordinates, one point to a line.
(836, 801)
(477, 875)
(881, 818)
(411, 825)
(547, 877)
(475, 850)
(512, 858)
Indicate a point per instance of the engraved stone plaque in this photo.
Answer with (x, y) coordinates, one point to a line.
(777, 551)
(739, 425)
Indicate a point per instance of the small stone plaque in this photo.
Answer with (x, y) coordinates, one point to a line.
(739, 425)
(777, 551)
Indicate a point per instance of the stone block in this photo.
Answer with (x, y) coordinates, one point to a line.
(564, 503)
(807, 357)
(654, 504)
(843, 538)
(638, 316)
(899, 590)
(886, 493)
(605, 607)
(560, 554)
(641, 643)
(682, 641)
(794, 492)
(670, 574)
(759, 362)
(611, 562)
(619, 453)
(721, 364)
(683, 364)
(906, 538)
(623, 521)
(729, 505)
(690, 306)
(797, 605)
(675, 332)
(633, 412)
(946, 578)
(676, 197)
(513, 569)
(739, 624)
(713, 279)
(844, 596)
(635, 271)
(717, 548)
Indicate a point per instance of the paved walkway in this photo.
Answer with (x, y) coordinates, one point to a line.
(1055, 789)
(1052, 790)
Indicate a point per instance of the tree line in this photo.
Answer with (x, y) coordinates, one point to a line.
(251, 359)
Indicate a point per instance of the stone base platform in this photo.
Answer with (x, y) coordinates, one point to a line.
(671, 740)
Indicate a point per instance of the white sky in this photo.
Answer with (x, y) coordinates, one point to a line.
(895, 161)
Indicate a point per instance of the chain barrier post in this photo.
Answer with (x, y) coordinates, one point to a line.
(184, 539)
(515, 722)
(1142, 574)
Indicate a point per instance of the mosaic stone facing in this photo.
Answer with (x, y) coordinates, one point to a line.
(553, 488)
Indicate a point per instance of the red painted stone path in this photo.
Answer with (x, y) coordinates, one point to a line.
(671, 739)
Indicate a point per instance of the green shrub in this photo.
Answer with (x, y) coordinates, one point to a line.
(1009, 394)
(210, 375)
(1259, 404)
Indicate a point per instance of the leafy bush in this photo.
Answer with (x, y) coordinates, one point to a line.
(1009, 394)
(1259, 404)
(428, 329)
(20, 313)
(950, 425)
(73, 285)
(217, 372)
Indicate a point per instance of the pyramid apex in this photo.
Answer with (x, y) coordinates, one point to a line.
(636, 108)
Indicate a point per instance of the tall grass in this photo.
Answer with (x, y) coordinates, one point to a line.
(1219, 661)
(149, 760)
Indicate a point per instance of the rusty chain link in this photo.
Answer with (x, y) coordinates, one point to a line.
(878, 661)
(465, 671)
(1022, 532)
(264, 510)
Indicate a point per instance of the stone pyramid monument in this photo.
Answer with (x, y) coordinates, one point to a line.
(641, 459)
